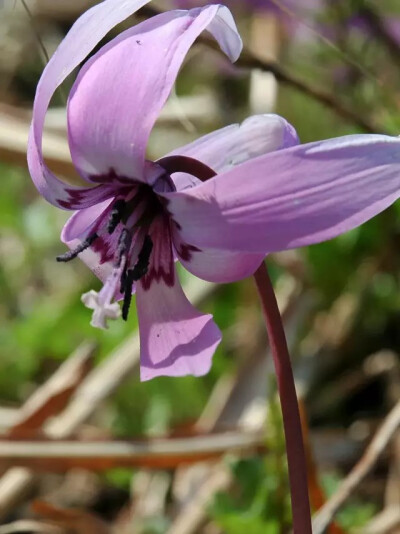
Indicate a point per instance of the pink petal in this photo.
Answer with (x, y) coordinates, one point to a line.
(223, 149)
(215, 265)
(84, 35)
(293, 197)
(119, 93)
(175, 339)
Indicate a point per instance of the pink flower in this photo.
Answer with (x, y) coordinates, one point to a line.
(136, 216)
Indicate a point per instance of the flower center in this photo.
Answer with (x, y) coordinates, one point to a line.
(124, 235)
(126, 227)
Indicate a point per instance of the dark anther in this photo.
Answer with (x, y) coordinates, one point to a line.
(70, 255)
(116, 215)
(142, 264)
(128, 285)
(123, 245)
(123, 280)
(132, 275)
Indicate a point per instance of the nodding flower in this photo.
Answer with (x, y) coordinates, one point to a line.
(218, 205)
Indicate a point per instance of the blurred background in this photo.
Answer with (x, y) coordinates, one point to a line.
(330, 67)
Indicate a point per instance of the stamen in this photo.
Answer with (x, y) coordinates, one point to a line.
(132, 275)
(71, 254)
(142, 265)
(124, 243)
(128, 286)
(116, 215)
(123, 280)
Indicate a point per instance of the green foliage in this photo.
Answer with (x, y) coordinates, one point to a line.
(259, 502)
(355, 514)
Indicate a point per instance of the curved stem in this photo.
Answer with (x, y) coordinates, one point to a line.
(186, 164)
(290, 409)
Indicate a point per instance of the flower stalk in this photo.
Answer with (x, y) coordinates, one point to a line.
(288, 399)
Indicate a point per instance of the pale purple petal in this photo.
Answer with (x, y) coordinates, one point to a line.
(223, 149)
(119, 93)
(216, 265)
(84, 35)
(293, 197)
(175, 338)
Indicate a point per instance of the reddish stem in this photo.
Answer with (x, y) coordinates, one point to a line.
(189, 165)
(290, 409)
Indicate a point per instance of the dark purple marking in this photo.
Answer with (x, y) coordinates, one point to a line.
(156, 274)
(161, 266)
(84, 198)
(111, 177)
(104, 248)
(185, 251)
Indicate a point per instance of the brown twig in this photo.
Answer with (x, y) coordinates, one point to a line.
(317, 493)
(249, 60)
(385, 522)
(53, 396)
(378, 27)
(378, 444)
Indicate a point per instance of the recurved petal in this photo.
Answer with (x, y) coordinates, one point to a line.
(119, 92)
(175, 338)
(84, 35)
(225, 148)
(292, 197)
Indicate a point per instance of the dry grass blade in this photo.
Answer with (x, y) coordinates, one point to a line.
(16, 482)
(30, 526)
(378, 444)
(100, 383)
(100, 455)
(46, 402)
(13, 147)
(317, 494)
(74, 521)
(54, 395)
(384, 523)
